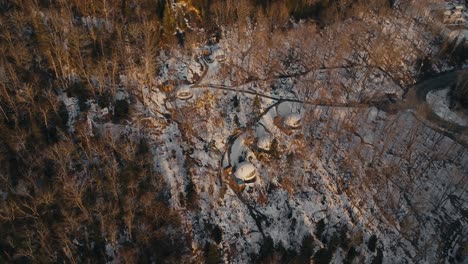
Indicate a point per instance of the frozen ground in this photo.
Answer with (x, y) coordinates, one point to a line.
(352, 182)
(439, 102)
(348, 176)
(351, 170)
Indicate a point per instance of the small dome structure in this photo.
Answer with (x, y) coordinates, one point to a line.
(184, 93)
(219, 55)
(246, 172)
(264, 143)
(292, 121)
(206, 51)
(460, 21)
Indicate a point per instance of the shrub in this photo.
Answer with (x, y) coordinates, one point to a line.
(256, 105)
(323, 256)
(63, 115)
(217, 234)
(352, 253)
(191, 195)
(460, 93)
(379, 258)
(266, 248)
(319, 228)
(143, 147)
(80, 90)
(103, 99)
(213, 256)
(274, 151)
(121, 109)
(235, 101)
(307, 249)
(372, 243)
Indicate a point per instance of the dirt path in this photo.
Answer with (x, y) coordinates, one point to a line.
(283, 99)
(414, 100)
(205, 71)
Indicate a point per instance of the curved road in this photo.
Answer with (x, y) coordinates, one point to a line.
(414, 100)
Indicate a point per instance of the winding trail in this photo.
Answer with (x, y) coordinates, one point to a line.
(283, 99)
(414, 101)
(235, 88)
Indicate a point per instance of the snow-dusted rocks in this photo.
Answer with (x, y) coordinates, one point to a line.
(184, 93)
(292, 121)
(246, 172)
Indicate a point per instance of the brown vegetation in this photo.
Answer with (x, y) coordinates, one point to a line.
(71, 194)
(73, 189)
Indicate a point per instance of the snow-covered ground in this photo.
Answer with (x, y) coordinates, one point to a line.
(293, 195)
(348, 176)
(439, 102)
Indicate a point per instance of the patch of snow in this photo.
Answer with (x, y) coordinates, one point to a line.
(121, 95)
(110, 251)
(264, 142)
(438, 100)
(373, 114)
(73, 109)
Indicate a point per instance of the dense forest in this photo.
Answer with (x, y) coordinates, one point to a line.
(68, 191)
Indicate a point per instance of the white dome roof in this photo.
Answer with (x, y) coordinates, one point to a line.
(293, 120)
(218, 52)
(245, 171)
(184, 92)
(219, 55)
(264, 142)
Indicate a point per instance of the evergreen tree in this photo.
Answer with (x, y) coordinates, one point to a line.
(256, 105)
(274, 151)
(169, 21)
